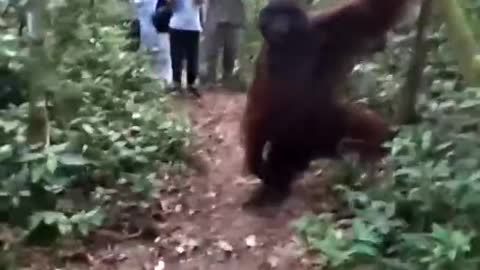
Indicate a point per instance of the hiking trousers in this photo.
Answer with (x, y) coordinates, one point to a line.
(222, 37)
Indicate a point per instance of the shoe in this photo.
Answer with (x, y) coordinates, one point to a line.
(174, 87)
(194, 91)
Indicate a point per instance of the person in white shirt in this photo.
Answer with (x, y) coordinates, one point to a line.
(185, 28)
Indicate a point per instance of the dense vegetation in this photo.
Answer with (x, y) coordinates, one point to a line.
(109, 127)
(83, 124)
(423, 215)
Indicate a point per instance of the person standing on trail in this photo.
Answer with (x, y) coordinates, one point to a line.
(155, 45)
(185, 28)
(223, 28)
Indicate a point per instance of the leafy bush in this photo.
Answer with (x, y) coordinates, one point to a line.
(110, 124)
(425, 218)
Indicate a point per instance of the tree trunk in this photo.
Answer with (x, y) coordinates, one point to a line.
(406, 112)
(38, 129)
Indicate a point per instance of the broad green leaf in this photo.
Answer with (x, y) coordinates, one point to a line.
(96, 216)
(65, 228)
(9, 126)
(363, 233)
(469, 104)
(49, 218)
(364, 249)
(37, 173)
(73, 159)
(6, 152)
(52, 163)
(150, 149)
(88, 128)
(28, 157)
(57, 148)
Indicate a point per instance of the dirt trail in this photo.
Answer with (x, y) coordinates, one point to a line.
(216, 221)
(203, 226)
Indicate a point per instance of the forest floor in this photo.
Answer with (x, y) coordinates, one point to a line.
(203, 226)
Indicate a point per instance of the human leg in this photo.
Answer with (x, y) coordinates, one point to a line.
(231, 37)
(177, 55)
(279, 172)
(192, 41)
(163, 63)
(212, 46)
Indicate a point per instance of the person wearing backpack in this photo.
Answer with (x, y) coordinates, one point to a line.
(160, 20)
(162, 15)
(155, 44)
(185, 27)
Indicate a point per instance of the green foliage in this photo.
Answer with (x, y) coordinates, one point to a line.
(471, 8)
(110, 124)
(252, 37)
(423, 218)
(424, 215)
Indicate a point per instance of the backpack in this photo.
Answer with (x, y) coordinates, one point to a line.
(161, 16)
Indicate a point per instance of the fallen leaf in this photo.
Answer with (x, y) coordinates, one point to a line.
(211, 194)
(251, 241)
(273, 261)
(225, 246)
(160, 265)
(180, 249)
(191, 244)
